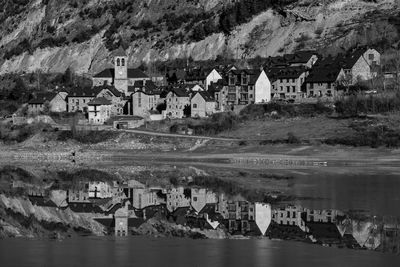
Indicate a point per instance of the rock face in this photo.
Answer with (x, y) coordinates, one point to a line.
(59, 34)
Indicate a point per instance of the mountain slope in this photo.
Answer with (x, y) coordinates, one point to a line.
(52, 35)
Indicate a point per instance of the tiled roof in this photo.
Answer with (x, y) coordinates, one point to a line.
(99, 101)
(285, 73)
(111, 88)
(323, 75)
(132, 74)
(136, 74)
(106, 73)
(180, 92)
(84, 92)
(206, 96)
(42, 97)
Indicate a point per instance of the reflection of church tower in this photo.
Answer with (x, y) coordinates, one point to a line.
(121, 70)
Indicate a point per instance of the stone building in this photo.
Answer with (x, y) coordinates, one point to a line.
(99, 110)
(120, 76)
(55, 102)
(287, 82)
(203, 104)
(177, 99)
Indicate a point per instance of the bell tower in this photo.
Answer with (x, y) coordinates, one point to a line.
(121, 70)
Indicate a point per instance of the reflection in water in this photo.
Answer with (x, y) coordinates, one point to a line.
(129, 207)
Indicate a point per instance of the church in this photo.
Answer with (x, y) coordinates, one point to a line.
(122, 77)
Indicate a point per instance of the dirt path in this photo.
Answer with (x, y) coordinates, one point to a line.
(180, 135)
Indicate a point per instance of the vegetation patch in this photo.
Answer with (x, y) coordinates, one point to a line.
(87, 137)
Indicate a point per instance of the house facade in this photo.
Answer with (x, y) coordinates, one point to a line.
(99, 110)
(290, 215)
(213, 77)
(360, 64)
(78, 98)
(203, 105)
(200, 197)
(143, 103)
(176, 101)
(323, 81)
(55, 102)
(176, 198)
(117, 99)
(287, 82)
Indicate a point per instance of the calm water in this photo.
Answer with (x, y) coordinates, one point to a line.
(142, 251)
(379, 194)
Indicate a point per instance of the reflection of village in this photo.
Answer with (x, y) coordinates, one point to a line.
(123, 207)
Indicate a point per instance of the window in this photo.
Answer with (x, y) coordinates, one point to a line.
(329, 85)
(371, 56)
(294, 89)
(123, 62)
(139, 100)
(232, 80)
(294, 214)
(194, 105)
(244, 79)
(311, 85)
(288, 89)
(288, 214)
(293, 81)
(118, 62)
(194, 198)
(281, 88)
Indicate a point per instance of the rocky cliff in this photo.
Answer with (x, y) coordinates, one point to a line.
(52, 35)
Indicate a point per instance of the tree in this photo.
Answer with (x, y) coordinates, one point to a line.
(187, 110)
(162, 106)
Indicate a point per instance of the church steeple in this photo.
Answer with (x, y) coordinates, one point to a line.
(120, 70)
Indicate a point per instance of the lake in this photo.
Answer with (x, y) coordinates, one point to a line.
(146, 251)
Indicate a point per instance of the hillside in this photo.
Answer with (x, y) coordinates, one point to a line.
(52, 35)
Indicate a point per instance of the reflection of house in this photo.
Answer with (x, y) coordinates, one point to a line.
(122, 217)
(100, 190)
(178, 198)
(325, 216)
(55, 102)
(99, 110)
(144, 197)
(200, 197)
(203, 104)
(290, 215)
(79, 194)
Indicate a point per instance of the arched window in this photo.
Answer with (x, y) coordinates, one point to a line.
(118, 62)
(123, 62)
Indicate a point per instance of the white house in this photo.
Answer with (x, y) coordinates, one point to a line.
(203, 105)
(99, 110)
(262, 88)
(212, 77)
(263, 216)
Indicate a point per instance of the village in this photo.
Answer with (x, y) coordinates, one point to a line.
(123, 207)
(127, 98)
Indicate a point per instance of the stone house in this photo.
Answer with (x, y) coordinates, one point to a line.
(116, 97)
(78, 98)
(176, 101)
(55, 102)
(144, 197)
(120, 76)
(360, 64)
(99, 110)
(203, 105)
(243, 87)
(144, 102)
(287, 82)
(213, 77)
(323, 81)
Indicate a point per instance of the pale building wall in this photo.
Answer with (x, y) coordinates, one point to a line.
(201, 197)
(263, 216)
(290, 215)
(262, 92)
(213, 77)
(176, 199)
(103, 190)
(78, 103)
(58, 104)
(143, 103)
(99, 114)
(175, 105)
